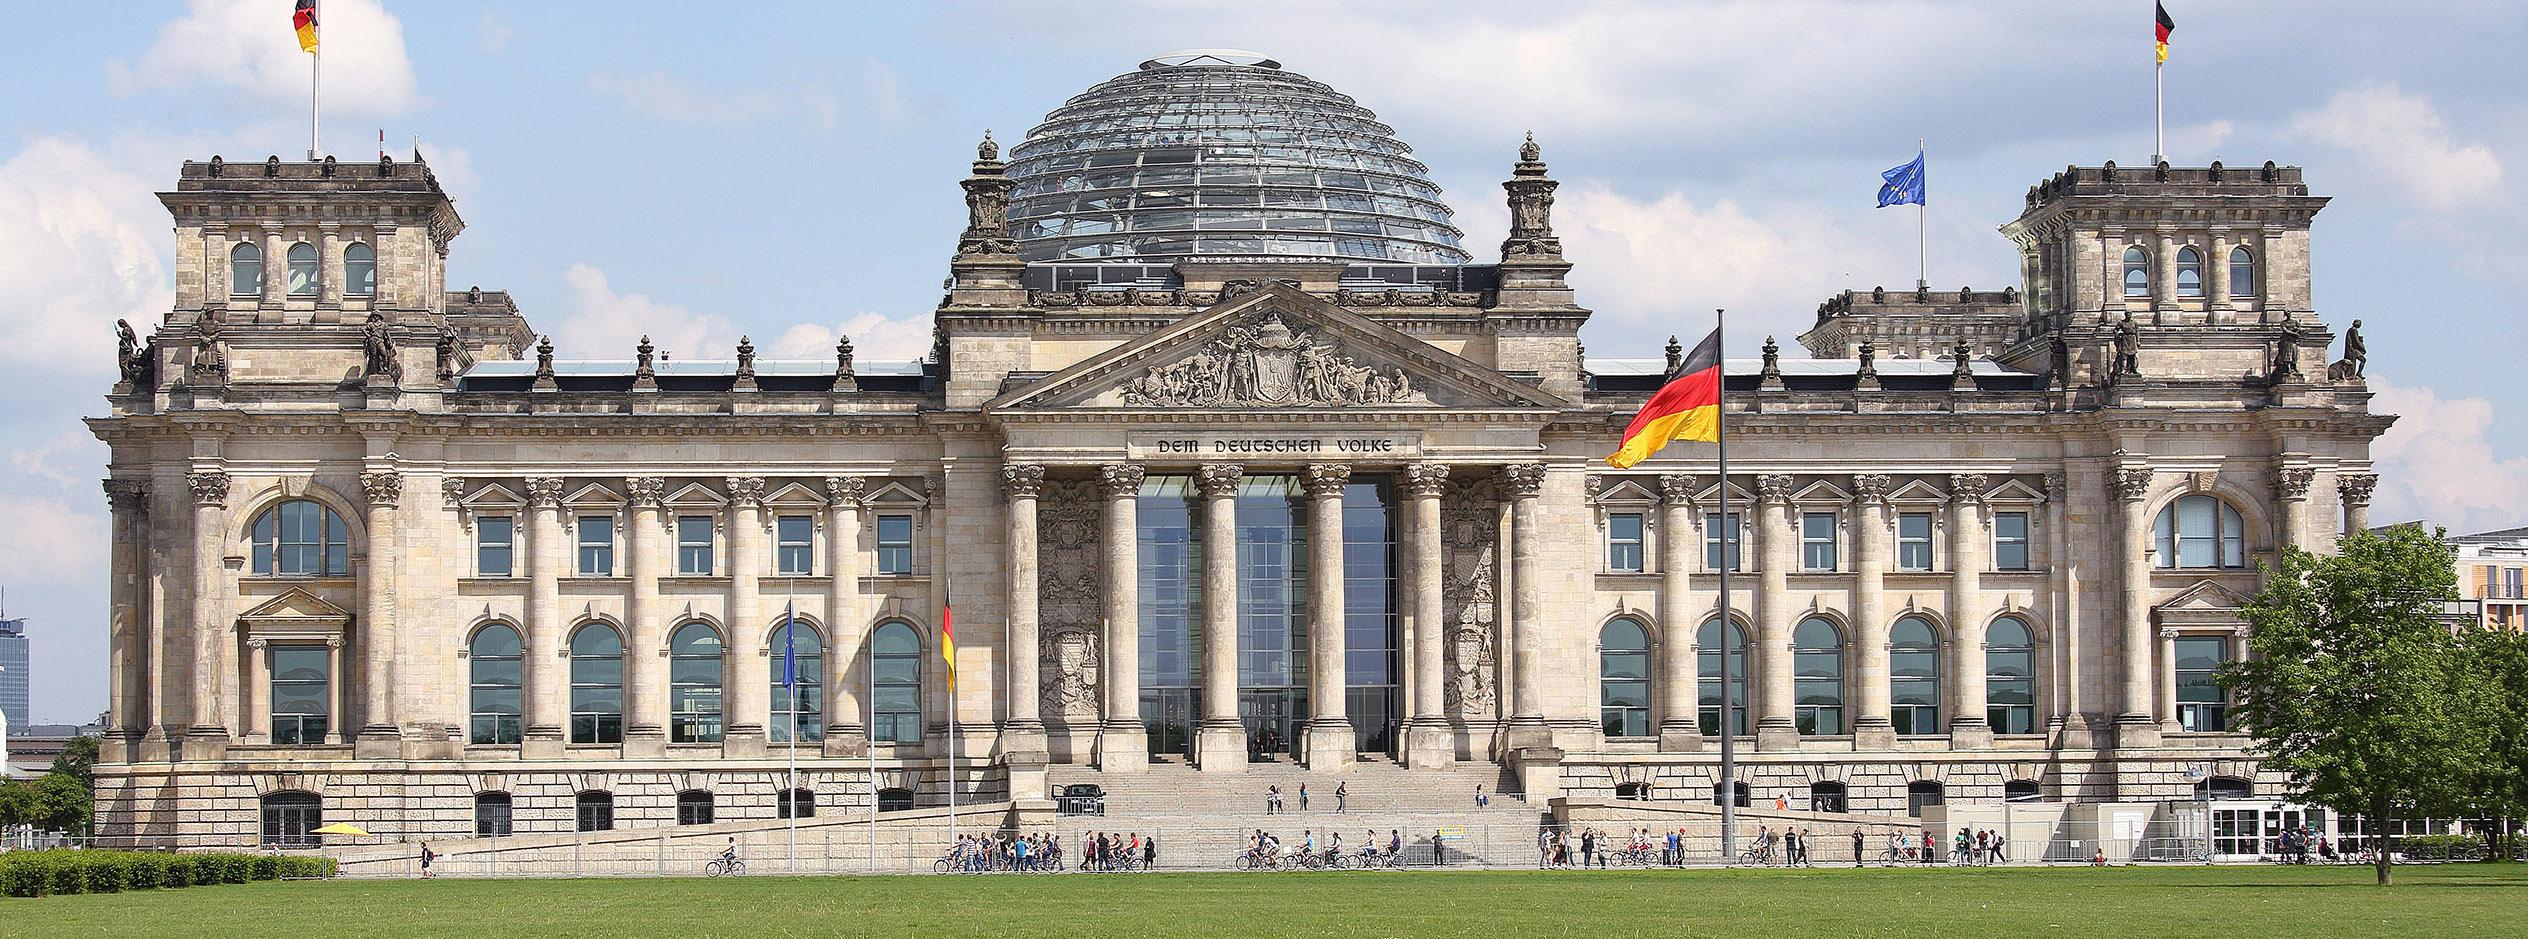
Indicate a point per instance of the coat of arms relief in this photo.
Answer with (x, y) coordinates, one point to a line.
(1265, 363)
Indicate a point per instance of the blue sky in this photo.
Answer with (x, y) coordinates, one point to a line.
(788, 171)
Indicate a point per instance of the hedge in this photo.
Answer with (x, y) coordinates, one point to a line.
(60, 871)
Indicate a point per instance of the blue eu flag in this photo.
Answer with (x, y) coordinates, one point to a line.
(1904, 184)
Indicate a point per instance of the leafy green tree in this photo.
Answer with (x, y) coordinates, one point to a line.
(2501, 658)
(78, 760)
(2355, 689)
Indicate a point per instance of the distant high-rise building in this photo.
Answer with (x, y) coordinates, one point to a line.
(13, 675)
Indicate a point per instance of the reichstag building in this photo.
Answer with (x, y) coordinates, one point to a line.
(1229, 449)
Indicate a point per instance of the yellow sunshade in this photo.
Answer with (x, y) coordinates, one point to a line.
(342, 828)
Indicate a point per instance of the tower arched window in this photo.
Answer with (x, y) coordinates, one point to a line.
(2199, 531)
(1707, 660)
(496, 659)
(596, 685)
(2010, 676)
(303, 266)
(2242, 272)
(301, 538)
(245, 270)
(693, 684)
(895, 663)
(1624, 679)
(800, 704)
(2190, 273)
(1817, 676)
(2137, 272)
(1913, 669)
(359, 270)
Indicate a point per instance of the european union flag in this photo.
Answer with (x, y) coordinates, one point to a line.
(1904, 184)
(790, 649)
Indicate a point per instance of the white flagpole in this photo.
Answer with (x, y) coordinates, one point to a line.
(790, 688)
(1730, 535)
(316, 85)
(948, 608)
(2159, 112)
(870, 746)
(1922, 214)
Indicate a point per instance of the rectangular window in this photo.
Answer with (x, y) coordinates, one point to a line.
(1817, 541)
(2202, 707)
(491, 815)
(596, 546)
(895, 544)
(1623, 542)
(302, 692)
(2511, 583)
(2010, 541)
(693, 545)
(1913, 541)
(1714, 531)
(495, 546)
(795, 546)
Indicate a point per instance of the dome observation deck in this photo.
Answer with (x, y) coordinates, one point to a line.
(1223, 153)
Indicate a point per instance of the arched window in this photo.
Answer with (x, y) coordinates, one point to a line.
(1828, 797)
(693, 807)
(2010, 676)
(1635, 791)
(497, 659)
(303, 264)
(245, 270)
(895, 800)
(1741, 790)
(1707, 686)
(693, 684)
(491, 814)
(596, 685)
(2242, 272)
(801, 703)
(359, 270)
(1913, 669)
(1923, 795)
(301, 538)
(2137, 273)
(290, 819)
(1817, 676)
(795, 803)
(2225, 787)
(2199, 531)
(1624, 679)
(2021, 790)
(2190, 273)
(596, 810)
(895, 663)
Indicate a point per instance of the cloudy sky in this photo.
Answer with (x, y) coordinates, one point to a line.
(788, 171)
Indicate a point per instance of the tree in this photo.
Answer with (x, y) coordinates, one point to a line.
(78, 760)
(2501, 658)
(2355, 690)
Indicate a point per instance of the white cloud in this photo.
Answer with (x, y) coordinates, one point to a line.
(74, 540)
(2437, 463)
(603, 324)
(493, 33)
(248, 50)
(2403, 137)
(82, 243)
(874, 338)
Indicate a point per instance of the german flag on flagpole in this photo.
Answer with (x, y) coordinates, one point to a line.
(948, 634)
(1687, 407)
(304, 20)
(2161, 27)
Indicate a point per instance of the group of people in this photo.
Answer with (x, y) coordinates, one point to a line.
(2296, 844)
(1265, 849)
(1978, 847)
(1119, 851)
(1006, 852)
(1790, 846)
(1274, 804)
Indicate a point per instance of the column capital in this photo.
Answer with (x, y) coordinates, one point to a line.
(1425, 479)
(544, 492)
(645, 492)
(1219, 479)
(210, 488)
(1122, 480)
(1326, 480)
(2057, 485)
(1524, 480)
(2355, 488)
(383, 489)
(1869, 490)
(1774, 488)
(2132, 483)
(1678, 488)
(1967, 489)
(845, 490)
(127, 495)
(746, 492)
(1022, 480)
(2292, 482)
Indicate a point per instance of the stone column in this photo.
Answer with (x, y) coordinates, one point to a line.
(749, 680)
(1524, 484)
(1123, 744)
(255, 726)
(644, 635)
(845, 734)
(276, 276)
(1679, 730)
(2291, 487)
(2355, 491)
(379, 737)
(1968, 725)
(341, 698)
(2136, 725)
(1329, 741)
(129, 638)
(329, 272)
(208, 737)
(547, 705)
(1023, 731)
(1871, 549)
(2111, 300)
(2164, 280)
(1776, 528)
(1220, 742)
(1428, 738)
(2062, 571)
(2216, 280)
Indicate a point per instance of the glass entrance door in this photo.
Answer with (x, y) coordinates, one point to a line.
(1170, 715)
(1272, 717)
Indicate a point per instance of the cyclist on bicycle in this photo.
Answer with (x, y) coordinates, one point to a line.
(728, 855)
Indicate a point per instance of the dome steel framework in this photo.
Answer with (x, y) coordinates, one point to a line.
(1223, 153)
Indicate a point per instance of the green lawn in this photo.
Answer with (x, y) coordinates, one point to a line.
(2452, 900)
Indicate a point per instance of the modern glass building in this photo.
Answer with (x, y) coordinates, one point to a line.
(13, 675)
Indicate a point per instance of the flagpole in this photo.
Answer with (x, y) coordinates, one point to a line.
(949, 624)
(316, 85)
(790, 687)
(1922, 215)
(2159, 111)
(1729, 536)
(870, 746)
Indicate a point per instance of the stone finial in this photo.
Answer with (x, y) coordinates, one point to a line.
(1529, 152)
(745, 358)
(1772, 361)
(383, 489)
(645, 491)
(1962, 362)
(988, 151)
(1523, 480)
(646, 359)
(987, 206)
(1678, 488)
(1869, 361)
(1531, 207)
(1425, 479)
(210, 488)
(544, 491)
(1676, 355)
(544, 358)
(1122, 480)
(1022, 480)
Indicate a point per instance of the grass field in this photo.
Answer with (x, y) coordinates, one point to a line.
(2451, 900)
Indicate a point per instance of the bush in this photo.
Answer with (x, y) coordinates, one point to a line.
(46, 873)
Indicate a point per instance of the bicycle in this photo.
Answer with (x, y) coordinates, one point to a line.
(723, 867)
(1758, 856)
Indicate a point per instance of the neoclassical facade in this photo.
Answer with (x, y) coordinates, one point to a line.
(1227, 451)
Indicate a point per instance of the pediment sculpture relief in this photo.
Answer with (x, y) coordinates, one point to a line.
(1267, 364)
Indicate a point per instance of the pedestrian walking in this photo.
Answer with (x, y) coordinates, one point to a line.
(1342, 793)
(1303, 797)
(1150, 853)
(1856, 847)
(1272, 800)
(427, 856)
(1544, 848)
(1481, 800)
(2000, 856)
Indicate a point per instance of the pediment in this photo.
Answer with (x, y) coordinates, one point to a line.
(2012, 490)
(1820, 491)
(1275, 349)
(697, 494)
(2204, 596)
(1917, 491)
(894, 493)
(594, 494)
(1625, 491)
(295, 614)
(794, 494)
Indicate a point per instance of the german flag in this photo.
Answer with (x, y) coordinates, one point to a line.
(948, 639)
(1687, 407)
(2161, 28)
(303, 19)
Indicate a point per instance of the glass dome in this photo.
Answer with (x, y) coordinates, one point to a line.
(1222, 153)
